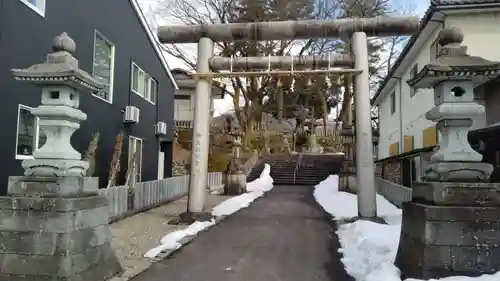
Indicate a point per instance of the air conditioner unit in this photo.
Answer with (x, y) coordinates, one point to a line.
(131, 114)
(161, 128)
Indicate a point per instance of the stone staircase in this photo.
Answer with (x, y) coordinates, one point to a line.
(300, 169)
(256, 170)
(283, 168)
(314, 168)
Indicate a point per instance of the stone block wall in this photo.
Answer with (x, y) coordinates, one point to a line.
(62, 238)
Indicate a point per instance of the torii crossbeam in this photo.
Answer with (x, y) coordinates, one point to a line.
(281, 62)
(288, 30)
(357, 29)
(280, 66)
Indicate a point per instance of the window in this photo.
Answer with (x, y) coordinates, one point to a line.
(103, 66)
(413, 74)
(182, 97)
(393, 102)
(135, 150)
(143, 84)
(29, 137)
(37, 6)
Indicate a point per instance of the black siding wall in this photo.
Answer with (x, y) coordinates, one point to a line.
(25, 39)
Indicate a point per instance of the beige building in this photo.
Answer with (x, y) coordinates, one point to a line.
(401, 109)
(185, 98)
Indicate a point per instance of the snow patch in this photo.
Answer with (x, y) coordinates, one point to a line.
(344, 205)
(369, 249)
(171, 240)
(255, 189)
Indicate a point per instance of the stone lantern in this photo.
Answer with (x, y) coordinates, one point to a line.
(60, 80)
(236, 179)
(451, 225)
(312, 143)
(347, 175)
(454, 75)
(54, 219)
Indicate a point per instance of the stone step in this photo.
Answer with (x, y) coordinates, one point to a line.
(313, 174)
(312, 169)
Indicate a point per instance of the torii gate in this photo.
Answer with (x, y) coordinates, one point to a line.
(358, 29)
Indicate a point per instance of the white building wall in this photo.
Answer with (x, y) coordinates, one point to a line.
(415, 107)
(389, 124)
(184, 108)
(481, 34)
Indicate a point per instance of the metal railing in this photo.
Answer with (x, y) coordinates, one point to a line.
(297, 166)
(186, 124)
(124, 201)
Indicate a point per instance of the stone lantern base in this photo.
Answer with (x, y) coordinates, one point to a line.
(347, 177)
(52, 236)
(236, 179)
(450, 229)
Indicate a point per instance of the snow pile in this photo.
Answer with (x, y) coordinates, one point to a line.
(255, 189)
(344, 205)
(369, 249)
(171, 240)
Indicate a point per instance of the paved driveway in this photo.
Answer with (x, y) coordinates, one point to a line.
(283, 236)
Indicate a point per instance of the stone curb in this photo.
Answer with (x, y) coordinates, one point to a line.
(131, 273)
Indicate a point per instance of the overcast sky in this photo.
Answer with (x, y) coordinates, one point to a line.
(226, 104)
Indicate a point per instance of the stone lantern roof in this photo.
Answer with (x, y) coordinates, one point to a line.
(453, 63)
(60, 67)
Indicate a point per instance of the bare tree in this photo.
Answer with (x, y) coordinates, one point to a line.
(382, 51)
(391, 49)
(248, 93)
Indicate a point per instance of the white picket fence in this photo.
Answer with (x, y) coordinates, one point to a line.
(149, 194)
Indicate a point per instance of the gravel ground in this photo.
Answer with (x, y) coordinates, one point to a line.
(134, 236)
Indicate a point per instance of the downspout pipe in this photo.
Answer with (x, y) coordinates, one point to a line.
(401, 132)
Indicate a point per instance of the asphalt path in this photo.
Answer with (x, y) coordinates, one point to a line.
(283, 236)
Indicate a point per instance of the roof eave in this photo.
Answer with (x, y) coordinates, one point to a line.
(426, 19)
(153, 40)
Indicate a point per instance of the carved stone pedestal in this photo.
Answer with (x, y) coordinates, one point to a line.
(236, 179)
(450, 229)
(50, 186)
(55, 238)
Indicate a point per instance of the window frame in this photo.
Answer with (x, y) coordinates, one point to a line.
(150, 79)
(112, 66)
(134, 140)
(413, 74)
(39, 8)
(393, 102)
(36, 134)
